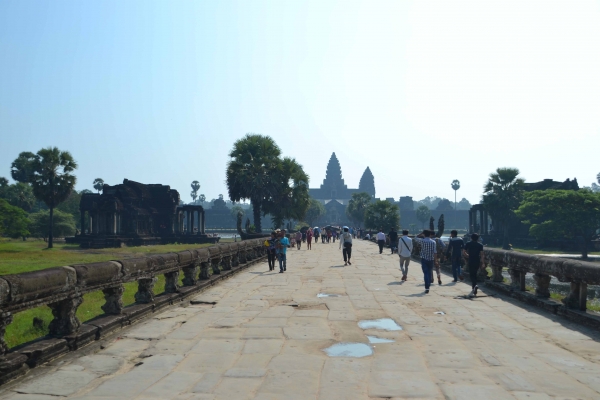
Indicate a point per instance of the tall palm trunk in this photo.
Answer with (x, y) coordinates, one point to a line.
(256, 214)
(51, 227)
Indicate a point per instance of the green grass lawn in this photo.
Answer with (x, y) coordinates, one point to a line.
(17, 256)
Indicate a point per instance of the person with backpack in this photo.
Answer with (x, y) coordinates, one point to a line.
(272, 250)
(346, 243)
(316, 233)
(393, 240)
(405, 248)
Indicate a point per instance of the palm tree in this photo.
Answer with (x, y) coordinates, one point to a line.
(21, 168)
(195, 187)
(249, 172)
(455, 186)
(51, 179)
(502, 195)
(98, 184)
(423, 213)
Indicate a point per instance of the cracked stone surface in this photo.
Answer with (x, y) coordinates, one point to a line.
(264, 339)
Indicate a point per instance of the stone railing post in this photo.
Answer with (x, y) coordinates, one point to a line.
(542, 285)
(65, 316)
(235, 259)
(242, 256)
(204, 270)
(226, 263)
(515, 278)
(497, 273)
(577, 297)
(113, 300)
(215, 265)
(145, 293)
(5, 319)
(172, 282)
(190, 275)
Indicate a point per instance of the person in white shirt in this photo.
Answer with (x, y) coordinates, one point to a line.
(380, 240)
(405, 248)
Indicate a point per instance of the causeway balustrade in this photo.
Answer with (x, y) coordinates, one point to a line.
(62, 289)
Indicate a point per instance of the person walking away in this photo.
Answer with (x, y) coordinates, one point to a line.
(334, 235)
(454, 253)
(405, 248)
(309, 237)
(316, 234)
(474, 251)
(393, 240)
(282, 246)
(439, 246)
(329, 235)
(303, 237)
(346, 243)
(428, 255)
(298, 239)
(381, 240)
(272, 251)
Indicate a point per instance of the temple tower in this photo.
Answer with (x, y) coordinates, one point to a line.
(367, 182)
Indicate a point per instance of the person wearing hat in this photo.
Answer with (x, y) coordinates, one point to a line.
(346, 242)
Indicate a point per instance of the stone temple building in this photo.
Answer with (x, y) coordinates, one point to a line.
(136, 214)
(335, 194)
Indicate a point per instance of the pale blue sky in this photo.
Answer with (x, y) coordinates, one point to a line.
(158, 91)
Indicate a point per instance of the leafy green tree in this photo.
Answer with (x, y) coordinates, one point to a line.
(52, 180)
(13, 221)
(315, 211)
(444, 205)
(195, 187)
(63, 224)
(71, 206)
(98, 184)
(559, 214)
(423, 213)
(430, 202)
(202, 198)
(464, 204)
(289, 198)
(357, 206)
(19, 195)
(22, 168)
(382, 214)
(249, 172)
(502, 195)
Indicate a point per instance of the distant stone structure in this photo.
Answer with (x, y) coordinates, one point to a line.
(136, 214)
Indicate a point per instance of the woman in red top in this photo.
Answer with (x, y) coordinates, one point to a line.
(309, 236)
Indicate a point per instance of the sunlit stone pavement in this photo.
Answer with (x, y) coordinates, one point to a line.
(265, 339)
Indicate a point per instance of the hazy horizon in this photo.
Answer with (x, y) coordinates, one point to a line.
(421, 92)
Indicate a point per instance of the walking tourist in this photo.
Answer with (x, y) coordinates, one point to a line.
(474, 251)
(428, 255)
(439, 249)
(282, 246)
(323, 235)
(454, 253)
(380, 240)
(405, 248)
(333, 235)
(309, 237)
(272, 251)
(329, 235)
(346, 245)
(393, 240)
(316, 233)
(298, 239)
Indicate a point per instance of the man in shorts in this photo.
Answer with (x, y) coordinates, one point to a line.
(474, 251)
(405, 248)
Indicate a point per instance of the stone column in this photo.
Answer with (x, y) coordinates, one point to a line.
(204, 270)
(82, 221)
(171, 282)
(145, 293)
(470, 221)
(90, 223)
(542, 285)
(215, 265)
(114, 223)
(485, 222)
(114, 300)
(203, 226)
(515, 278)
(190, 275)
(65, 316)
(497, 273)
(5, 319)
(226, 262)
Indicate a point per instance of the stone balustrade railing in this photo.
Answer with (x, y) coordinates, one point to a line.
(62, 289)
(578, 273)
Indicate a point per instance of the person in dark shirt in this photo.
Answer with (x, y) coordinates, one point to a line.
(454, 253)
(393, 240)
(474, 251)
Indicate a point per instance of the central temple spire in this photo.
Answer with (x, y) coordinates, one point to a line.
(334, 171)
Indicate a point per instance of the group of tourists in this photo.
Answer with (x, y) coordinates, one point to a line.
(431, 251)
(277, 246)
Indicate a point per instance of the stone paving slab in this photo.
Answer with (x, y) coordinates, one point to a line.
(264, 339)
